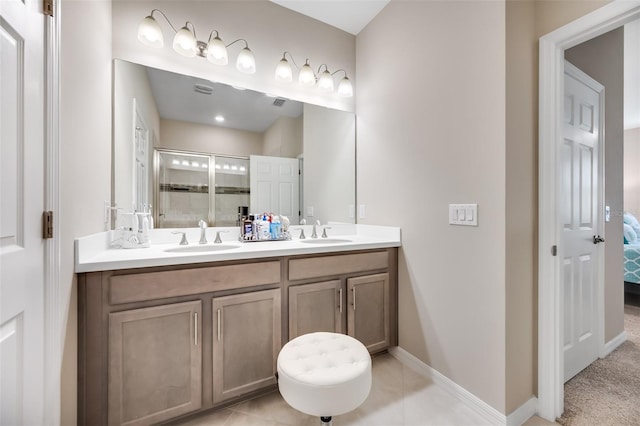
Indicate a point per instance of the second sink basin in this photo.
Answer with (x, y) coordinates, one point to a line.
(201, 248)
(325, 241)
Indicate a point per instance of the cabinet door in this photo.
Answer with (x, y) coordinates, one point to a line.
(246, 342)
(368, 313)
(155, 363)
(315, 307)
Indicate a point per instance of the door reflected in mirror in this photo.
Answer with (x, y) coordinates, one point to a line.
(193, 120)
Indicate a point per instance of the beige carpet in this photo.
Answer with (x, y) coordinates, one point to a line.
(608, 391)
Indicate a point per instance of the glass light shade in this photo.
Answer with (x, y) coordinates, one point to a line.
(325, 82)
(246, 63)
(283, 71)
(344, 88)
(217, 52)
(185, 43)
(149, 33)
(306, 76)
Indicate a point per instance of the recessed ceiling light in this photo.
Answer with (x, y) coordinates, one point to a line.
(185, 162)
(205, 165)
(175, 162)
(219, 118)
(234, 167)
(195, 164)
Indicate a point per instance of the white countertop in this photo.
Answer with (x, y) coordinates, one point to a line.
(92, 253)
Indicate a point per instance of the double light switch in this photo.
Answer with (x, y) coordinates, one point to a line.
(463, 214)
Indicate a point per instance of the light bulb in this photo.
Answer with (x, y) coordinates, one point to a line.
(283, 71)
(149, 33)
(325, 82)
(185, 43)
(344, 88)
(306, 76)
(246, 62)
(217, 52)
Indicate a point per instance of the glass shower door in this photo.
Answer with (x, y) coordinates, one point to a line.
(183, 197)
(231, 189)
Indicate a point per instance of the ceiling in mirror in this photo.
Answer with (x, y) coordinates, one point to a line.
(185, 98)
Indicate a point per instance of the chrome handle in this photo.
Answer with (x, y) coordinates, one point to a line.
(598, 239)
(183, 240)
(354, 298)
(218, 240)
(340, 299)
(219, 318)
(195, 328)
(324, 231)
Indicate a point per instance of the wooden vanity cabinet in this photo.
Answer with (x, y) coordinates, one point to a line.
(246, 342)
(155, 363)
(159, 344)
(355, 302)
(368, 318)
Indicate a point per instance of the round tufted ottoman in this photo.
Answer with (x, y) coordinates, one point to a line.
(324, 374)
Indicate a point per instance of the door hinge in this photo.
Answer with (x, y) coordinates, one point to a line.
(47, 7)
(554, 250)
(47, 225)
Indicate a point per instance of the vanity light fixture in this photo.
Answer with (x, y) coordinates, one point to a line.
(307, 77)
(186, 44)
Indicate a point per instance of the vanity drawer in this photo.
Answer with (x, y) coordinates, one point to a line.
(322, 266)
(183, 282)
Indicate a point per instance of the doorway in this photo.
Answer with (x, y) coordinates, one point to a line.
(552, 47)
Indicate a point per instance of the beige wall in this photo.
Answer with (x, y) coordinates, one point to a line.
(632, 171)
(553, 14)
(132, 83)
(431, 131)
(185, 136)
(85, 156)
(521, 204)
(283, 138)
(602, 58)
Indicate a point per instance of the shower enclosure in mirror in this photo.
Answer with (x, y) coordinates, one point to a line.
(193, 187)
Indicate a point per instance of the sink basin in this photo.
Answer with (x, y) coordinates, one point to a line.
(325, 241)
(201, 249)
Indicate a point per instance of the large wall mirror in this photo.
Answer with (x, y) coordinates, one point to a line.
(196, 149)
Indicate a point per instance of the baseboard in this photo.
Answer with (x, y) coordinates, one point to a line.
(490, 414)
(612, 344)
(523, 413)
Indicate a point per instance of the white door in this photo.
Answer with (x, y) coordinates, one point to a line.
(581, 219)
(21, 205)
(274, 183)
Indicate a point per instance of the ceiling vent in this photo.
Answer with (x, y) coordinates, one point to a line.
(279, 102)
(203, 88)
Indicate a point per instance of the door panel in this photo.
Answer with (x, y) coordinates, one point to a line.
(22, 142)
(316, 307)
(581, 219)
(275, 186)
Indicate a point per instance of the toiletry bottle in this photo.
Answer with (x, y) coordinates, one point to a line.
(264, 228)
(247, 228)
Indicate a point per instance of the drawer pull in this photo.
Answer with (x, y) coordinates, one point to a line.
(195, 328)
(340, 299)
(354, 298)
(219, 319)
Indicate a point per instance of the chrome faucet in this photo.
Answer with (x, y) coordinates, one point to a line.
(203, 231)
(324, 231)
(314, 234)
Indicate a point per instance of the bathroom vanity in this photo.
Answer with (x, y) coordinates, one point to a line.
(166, 333)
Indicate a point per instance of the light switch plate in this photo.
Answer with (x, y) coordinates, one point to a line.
(463, 214)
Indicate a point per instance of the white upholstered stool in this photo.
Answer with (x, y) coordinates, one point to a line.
(324, 374)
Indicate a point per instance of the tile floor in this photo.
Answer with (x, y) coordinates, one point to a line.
(399, 396)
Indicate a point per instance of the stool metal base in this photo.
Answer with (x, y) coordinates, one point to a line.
(325, 421)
